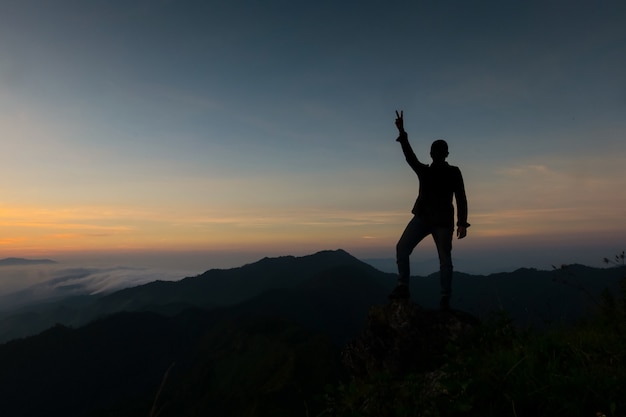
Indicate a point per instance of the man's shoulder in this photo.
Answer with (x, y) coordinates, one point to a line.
(445, 165)
(453, 167)
(451, 171)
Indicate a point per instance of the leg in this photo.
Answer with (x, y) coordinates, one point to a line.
(413, 234)
(443, 241)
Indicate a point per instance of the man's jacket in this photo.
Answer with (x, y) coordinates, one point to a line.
(438, 183)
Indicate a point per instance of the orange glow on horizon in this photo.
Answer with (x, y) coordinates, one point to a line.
(29, 231)
(111, 228)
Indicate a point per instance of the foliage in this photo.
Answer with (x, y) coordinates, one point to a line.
(562, 370)
(254, 367)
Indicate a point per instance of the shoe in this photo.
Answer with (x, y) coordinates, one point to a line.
(401, 292)
(444, 303)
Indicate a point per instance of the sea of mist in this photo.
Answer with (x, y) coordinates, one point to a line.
(101, 273)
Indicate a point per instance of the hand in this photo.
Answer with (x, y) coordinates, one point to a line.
(461, 232)
(400, 121)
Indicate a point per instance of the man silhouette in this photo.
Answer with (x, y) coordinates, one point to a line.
(433, 214)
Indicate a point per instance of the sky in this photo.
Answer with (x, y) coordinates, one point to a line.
(213, 133)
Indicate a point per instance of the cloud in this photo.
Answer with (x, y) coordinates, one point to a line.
(28, 285)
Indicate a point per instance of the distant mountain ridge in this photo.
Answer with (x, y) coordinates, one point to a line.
(336, 281)
(24, 261)
(223, 287)
(216, 288)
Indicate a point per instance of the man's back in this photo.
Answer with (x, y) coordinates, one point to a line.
(439, 182)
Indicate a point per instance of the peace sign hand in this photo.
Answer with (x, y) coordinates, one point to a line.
(400, 121)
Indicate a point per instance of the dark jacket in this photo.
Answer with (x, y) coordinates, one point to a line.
(438, 182)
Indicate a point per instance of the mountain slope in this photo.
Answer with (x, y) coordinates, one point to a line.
(530, 296)
(219, 361)
(214, 288)
(331, 302)
(219, 287)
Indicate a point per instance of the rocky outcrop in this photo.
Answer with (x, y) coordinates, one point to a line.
(401, 338)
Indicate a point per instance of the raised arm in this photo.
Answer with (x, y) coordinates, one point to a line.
(403, 138)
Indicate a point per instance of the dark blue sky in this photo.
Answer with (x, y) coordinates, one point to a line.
(247, 125)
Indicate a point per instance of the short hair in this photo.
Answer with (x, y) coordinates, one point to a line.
(439, 149)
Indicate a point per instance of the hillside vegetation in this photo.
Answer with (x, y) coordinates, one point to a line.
(508, 370)
(277, 352)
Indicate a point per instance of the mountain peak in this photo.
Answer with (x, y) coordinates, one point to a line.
(24, 261)
(325, 257)
(338, 254)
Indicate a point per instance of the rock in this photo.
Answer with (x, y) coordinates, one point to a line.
(402, 338)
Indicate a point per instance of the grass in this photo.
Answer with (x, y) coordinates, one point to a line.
(563, 370)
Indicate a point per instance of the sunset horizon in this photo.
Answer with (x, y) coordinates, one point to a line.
(176, 130)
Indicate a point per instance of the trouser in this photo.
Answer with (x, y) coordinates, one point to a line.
(415, 231)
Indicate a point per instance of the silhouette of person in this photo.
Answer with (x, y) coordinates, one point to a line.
(433, 214)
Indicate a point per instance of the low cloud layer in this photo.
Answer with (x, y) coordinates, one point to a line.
(26, 285)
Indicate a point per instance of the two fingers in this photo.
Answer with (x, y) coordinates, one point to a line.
(399, 116)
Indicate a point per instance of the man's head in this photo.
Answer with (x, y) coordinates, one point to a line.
(439, 150)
